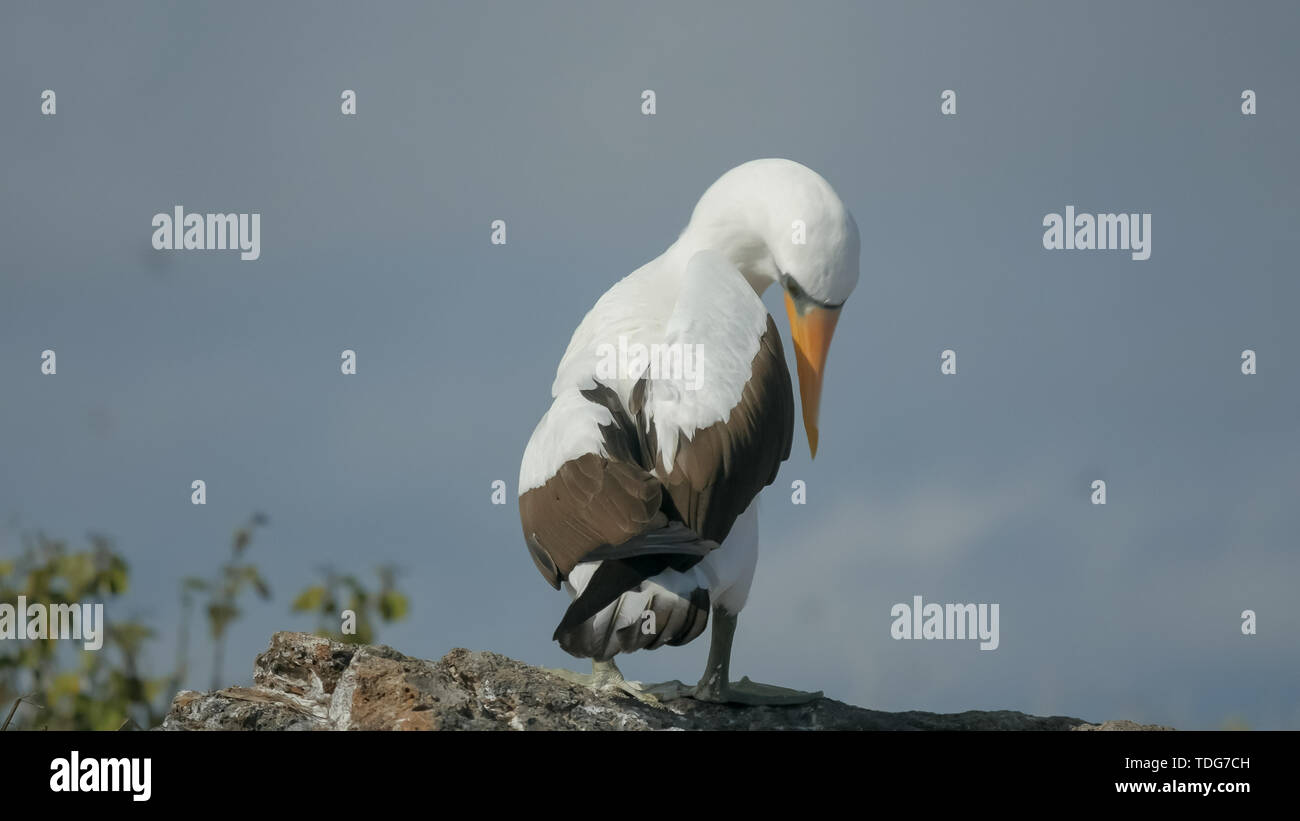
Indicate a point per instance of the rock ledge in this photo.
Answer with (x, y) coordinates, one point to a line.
(304, 682)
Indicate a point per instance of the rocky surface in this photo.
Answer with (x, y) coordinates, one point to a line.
(303, 682)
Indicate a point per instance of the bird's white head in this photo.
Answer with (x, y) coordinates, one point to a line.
(781, 222)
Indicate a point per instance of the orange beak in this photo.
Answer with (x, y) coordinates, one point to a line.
(812, 327)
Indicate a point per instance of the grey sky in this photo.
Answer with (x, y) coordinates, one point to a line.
(1072, 366)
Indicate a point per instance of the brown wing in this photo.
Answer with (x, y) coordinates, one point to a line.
(592, 501)
(719, 471)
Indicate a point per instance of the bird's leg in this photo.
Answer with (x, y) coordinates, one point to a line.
(605, 676)
(716, 685)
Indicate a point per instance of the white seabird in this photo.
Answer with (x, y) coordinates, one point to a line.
(637, 489)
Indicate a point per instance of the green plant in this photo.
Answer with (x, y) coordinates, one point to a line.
(60, 684)
(69, 686)
(340, 593)
(223, 594)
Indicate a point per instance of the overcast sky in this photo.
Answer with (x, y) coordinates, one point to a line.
(1072, 365)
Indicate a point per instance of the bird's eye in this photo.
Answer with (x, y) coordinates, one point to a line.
(802, 297)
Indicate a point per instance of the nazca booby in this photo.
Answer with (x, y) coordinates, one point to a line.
(638, 487)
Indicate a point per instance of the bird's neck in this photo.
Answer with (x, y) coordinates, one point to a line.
(746, 249)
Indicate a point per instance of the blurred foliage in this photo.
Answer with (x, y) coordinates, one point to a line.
(65, 685)
(57, 684)
(345, 592)
(1234, 723)
(222, 595)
